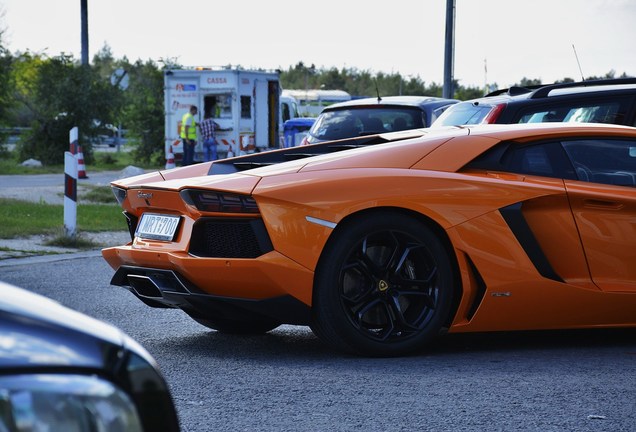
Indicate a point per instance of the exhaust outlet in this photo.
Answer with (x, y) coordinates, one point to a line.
(144, 286)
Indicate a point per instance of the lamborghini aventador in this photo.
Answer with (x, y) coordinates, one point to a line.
(382, 243)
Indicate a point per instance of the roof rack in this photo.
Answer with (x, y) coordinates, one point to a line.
(544, 91)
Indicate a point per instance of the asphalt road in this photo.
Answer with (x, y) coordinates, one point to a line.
(288, 381)
(49, 188)
(102, 178)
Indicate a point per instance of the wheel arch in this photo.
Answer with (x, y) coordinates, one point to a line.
(425, 220)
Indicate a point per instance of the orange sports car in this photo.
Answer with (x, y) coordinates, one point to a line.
(381, 243)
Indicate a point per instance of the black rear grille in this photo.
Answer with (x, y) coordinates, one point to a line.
(132, 221)
(229, 238)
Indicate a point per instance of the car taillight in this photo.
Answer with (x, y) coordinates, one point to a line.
(494, 113)
(219, 202)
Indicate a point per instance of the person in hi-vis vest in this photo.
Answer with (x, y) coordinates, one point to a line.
(189, 135)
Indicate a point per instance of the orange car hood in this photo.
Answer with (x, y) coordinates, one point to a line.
(237, 182)
(398, 154)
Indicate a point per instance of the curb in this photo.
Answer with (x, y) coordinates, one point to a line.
(42, 259)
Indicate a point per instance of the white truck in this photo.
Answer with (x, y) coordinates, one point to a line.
(247, 104)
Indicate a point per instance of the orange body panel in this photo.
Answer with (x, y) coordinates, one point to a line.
(271, 275)
(517, 297)
(586, 232)
(606, 219)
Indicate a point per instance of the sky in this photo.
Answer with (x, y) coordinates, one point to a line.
(496, 41)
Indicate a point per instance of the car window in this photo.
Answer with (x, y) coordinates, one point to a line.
(286, 114)
(463, 114)
(534, 160)
(437, 113)
(347, 123)
(335, 125)
(604, 161)
(602, 112)
(546, 159)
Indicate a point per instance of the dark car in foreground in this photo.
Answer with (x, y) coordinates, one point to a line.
(63, 371)
(597, 101)
(371, 116)
(381, 245)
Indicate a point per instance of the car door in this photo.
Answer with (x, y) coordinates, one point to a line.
(603, 202)
(544, 225)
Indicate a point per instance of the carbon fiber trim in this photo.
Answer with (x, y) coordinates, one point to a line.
(161, 288)
(481, 289)
(519, 226)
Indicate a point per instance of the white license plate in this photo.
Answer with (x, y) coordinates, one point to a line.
(157, 227)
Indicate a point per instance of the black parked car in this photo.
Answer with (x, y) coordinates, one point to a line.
(597, 101)
(63, 371)
(372, 116)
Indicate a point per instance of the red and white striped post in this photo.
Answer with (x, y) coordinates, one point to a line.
(81, 168)
(70, 186)
(76, 150)
(73, 140)
(70, 194)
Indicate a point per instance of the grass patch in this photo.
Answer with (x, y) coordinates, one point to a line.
(75, 242)
(116, 161)
(98, 194)
(12, 166)
(22, 218)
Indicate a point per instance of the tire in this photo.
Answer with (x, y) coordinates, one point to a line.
(253, 327)
(384, 286)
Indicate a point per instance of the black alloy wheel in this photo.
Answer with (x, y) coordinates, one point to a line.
(385, 287)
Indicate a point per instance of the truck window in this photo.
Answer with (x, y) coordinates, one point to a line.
(246, 107)
(219, 105)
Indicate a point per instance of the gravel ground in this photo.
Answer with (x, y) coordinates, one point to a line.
(46, 194)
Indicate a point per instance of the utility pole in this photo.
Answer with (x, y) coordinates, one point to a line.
(84, 18)
(449, 50)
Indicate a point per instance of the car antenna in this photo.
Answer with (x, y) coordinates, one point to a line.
(578, 63)
(377, 91)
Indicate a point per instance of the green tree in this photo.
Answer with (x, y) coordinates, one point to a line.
(356, 82)
(299, 77)
(526, 82)
(23, 77)
(144, 113)
(104, 63)
(6, 100)
(63, 95)
(466, 93)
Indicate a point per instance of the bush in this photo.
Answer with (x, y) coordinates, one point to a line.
(60, 96)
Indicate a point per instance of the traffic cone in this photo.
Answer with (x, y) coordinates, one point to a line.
(81, 168)
(170, 160)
